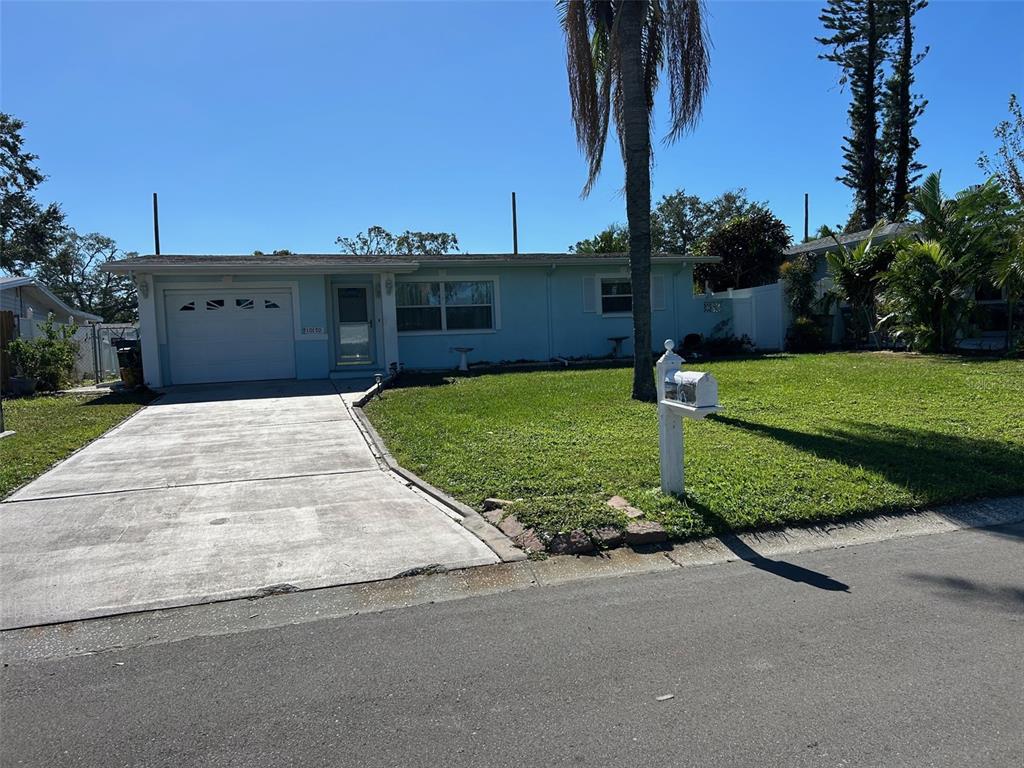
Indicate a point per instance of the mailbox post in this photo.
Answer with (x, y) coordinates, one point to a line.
(681, 395)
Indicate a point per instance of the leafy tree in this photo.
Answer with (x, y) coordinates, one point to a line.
(613, 239)
(1008, 165)
(376, 240)
(901, 110)
(72, 271)
(750, 248)
(278, 252)
(616, 52)
(27, 230)
(680, 222)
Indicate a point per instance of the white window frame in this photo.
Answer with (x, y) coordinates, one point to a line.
(442, 279)
(601, 295)
(624, 276)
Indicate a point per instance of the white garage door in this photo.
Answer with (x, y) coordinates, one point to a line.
(229, 336)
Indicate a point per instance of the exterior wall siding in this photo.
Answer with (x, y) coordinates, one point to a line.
(542, 316)
(540, 312)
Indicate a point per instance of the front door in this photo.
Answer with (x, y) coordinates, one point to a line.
(354, 331)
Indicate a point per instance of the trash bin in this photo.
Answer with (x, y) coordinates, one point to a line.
(129, 360)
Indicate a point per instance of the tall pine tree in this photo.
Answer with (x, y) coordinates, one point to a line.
(872, 43)
(900, 110)
(857, 43)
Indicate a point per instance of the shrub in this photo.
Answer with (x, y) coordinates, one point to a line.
(798, 280)
(805, 335)
(49, 359)
(728, 345)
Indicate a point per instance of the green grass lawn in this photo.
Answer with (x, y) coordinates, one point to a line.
(802, 438)
(50, 427)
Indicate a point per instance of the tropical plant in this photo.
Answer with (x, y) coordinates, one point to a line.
(928, 293)
(616, 51)
(855, 272)
(50, 358)
(1008, 274)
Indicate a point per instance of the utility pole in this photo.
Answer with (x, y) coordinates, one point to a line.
(515, 228)
(807, 217)
(156, 227)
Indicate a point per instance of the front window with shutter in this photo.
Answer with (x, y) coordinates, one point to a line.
(616, 296)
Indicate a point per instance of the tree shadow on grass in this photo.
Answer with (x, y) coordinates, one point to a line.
(935, 467)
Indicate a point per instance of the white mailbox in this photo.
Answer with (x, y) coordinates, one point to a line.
(681, 395)
(696, 388)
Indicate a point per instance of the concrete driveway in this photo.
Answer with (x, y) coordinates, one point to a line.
(214, 493)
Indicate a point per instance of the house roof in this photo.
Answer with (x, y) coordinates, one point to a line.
(10, 283)
(825, 244)
(348, 262)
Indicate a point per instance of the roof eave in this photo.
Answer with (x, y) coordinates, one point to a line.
(156, 268)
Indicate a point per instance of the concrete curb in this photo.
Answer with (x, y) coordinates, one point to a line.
(468, 517)
(113, 633)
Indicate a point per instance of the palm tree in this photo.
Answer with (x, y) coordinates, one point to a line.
(615, 53)
(1008, 274)
(928, 292)
(855, 272)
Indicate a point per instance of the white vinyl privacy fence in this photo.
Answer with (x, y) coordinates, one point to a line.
(759, 313)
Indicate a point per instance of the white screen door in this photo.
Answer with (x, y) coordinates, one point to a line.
(354, 338)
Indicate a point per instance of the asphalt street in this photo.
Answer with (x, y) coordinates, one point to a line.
(900, 653)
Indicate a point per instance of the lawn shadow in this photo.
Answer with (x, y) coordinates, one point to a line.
(936, 467)
(748, 554)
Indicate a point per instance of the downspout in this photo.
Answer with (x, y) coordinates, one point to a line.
(550, 324)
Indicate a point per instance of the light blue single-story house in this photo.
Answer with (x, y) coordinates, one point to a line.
(235, 318)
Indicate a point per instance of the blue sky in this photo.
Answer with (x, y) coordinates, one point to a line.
(281, 125)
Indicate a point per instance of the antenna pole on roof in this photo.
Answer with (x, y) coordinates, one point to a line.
(515, 228)
(156, 227)
(807, 217)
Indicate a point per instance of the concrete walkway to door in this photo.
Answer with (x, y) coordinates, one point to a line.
(213, 493)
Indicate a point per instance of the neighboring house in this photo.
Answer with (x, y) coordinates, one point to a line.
(818, 248)
(32, 302)
(232, 318)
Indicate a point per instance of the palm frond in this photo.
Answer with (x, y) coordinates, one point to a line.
(688, 60)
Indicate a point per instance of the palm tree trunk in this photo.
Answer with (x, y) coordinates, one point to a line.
(637, 141)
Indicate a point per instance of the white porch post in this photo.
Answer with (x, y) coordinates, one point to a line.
(147, 331)
(389, 320)
(670, 426)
